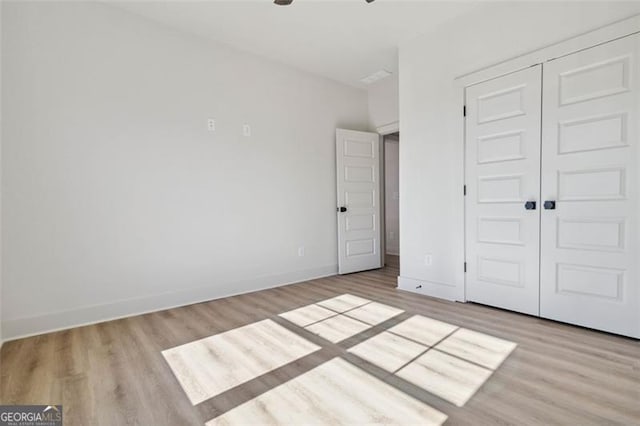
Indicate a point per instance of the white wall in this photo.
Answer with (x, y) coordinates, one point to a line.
(1, 335)
(383, 101)
(392, 195)
(116, 198)
(431, 153)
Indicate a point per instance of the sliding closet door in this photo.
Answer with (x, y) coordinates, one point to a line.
(503, 187)
(590, 161)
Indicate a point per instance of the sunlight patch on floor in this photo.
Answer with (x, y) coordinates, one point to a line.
(207, 367)
(480, 348)
(388, 351)
(440, 358)
(307, 315)
(341, 317)
(374, 313)
(446, 376)
(343, 302)
(424, 330)
(335, 393)
(338, 328)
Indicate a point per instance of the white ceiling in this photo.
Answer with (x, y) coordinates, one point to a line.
(344, 40)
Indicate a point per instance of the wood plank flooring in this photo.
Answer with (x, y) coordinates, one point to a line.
(354, 398)
(210, 366)
(114, 373)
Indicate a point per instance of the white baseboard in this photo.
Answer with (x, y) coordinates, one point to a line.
(25, 327)
(429, 288)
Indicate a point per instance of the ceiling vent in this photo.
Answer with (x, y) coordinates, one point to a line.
(376, 76)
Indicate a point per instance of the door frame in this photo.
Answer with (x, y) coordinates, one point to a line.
(608, 33)
(389, 128)
(383, 131)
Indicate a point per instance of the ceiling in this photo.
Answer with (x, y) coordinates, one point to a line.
(345, 40)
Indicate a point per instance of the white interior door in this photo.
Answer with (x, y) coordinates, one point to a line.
(358, 180)
(503, 179)
(590, 241)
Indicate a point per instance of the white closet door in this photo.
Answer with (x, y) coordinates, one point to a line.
(590, 159)
(502, 175)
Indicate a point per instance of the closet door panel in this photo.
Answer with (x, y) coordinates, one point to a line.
(502, 175)
(590, 159)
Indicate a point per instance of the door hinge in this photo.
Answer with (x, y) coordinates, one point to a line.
(464, 190)
(464, 111)
(465, 266)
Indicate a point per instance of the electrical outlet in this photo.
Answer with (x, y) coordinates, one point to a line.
(428, 260)
(211, 125)
(246, 130)
(301, 251)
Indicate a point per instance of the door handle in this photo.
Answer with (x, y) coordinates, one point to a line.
(550, 205)
(342, 209)
(530, 205)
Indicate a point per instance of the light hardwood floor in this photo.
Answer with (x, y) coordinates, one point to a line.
(114, 373)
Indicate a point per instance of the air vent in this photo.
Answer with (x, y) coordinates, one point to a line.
(376, 76)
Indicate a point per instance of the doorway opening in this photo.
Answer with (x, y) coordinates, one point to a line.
(367, 183)
(391, 196)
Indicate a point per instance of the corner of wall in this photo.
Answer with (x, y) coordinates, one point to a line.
(383, 100)
(168, 213)
(1, 334)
